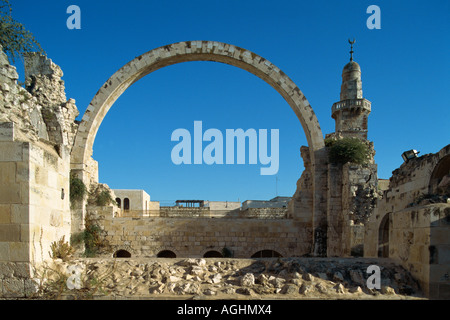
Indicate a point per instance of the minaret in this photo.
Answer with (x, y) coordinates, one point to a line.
(351, 113)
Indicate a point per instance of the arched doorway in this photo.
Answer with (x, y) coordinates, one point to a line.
(266, 254)
(122, 254)
(440, 177)
(383, 237)
(166, 254)
(213, 254)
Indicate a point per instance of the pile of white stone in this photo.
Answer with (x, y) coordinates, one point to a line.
(285, 278)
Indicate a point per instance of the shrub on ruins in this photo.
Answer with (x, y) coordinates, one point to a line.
(104, 198)
(77, 189)
(61, 249)
(92, 238)
(342, 151)
(14, 38)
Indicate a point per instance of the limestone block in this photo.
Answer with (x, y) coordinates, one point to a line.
(31, 286)
(401, 220)
(23, 172)
(7, 131)
(11, 151)
(19, 251)
(422, 236)
(4, 255)
(5, 214)
(13, 287)
(10, 232)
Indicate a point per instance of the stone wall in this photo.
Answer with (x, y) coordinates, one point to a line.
(301, 205)
(411, 225)
(193, 236)
(351, 196)
(34, 180)
(421, 242)
(43, 81)
(34, 207)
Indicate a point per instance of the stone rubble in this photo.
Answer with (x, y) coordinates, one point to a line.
(283, 278)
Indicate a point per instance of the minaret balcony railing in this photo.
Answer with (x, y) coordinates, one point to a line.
(351, 103)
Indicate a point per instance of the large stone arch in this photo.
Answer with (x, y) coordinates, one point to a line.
(183, 52)
(81, 156)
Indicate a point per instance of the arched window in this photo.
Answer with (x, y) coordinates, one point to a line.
(213, 254)
(126, 204)
(119, 202)
(166, 254)
(122, 254)
(439, 180)
(266, 254)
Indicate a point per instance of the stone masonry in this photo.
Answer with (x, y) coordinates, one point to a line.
(337, 210)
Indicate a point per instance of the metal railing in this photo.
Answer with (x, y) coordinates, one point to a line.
(205, 212)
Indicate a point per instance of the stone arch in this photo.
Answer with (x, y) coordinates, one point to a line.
(122, 253)
(84, 166)
(440, 177)
(166, 254)
(383, 236)
(212, 253)
(266, 253)
(182, 52)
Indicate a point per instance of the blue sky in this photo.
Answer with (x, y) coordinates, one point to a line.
(405, 73)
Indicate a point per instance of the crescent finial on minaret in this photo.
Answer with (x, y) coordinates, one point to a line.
(351, 48)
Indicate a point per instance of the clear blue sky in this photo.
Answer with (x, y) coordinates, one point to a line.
(405, 73)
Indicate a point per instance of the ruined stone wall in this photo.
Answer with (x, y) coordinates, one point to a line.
(34, 208)
(420, 240)
(18, 106)
(43, 81)
(351, 196)
(359, 195)
(412, 226)
(407, 186)
(34, 182)
(301, 205)
(335, 228)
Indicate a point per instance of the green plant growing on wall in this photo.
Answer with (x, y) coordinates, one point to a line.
(77, 189)
(61, 249)
(91, 237)
(104, 199)
(14, 38)
(346, 150)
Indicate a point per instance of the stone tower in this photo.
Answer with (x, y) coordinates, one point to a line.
(351, 113)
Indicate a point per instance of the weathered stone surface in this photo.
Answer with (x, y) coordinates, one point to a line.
(150, 277)
(339, 288)
(248, 280)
